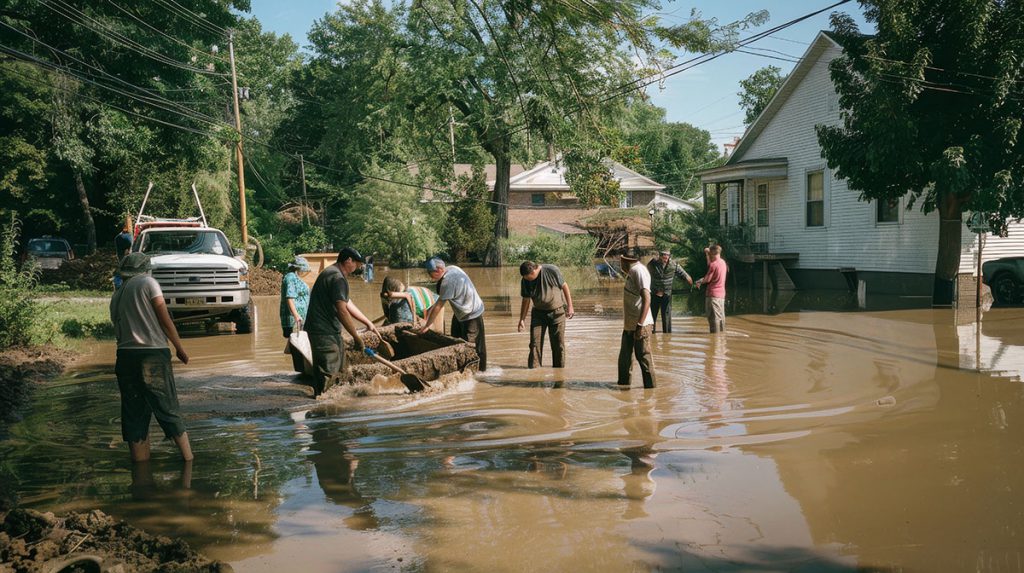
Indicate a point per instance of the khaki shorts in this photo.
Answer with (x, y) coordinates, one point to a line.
(715, 310)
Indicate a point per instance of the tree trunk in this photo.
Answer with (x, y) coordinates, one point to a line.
(503, 172)
(947, 262)
(90, 225)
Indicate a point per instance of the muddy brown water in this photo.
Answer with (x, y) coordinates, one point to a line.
(811, 440)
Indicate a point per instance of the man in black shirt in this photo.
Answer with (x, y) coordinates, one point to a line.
(544, 287)
(329, 310)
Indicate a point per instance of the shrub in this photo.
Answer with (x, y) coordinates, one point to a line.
(545, 248)
(18, 308)
(687, 233)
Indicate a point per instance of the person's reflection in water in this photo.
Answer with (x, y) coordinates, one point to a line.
(717, 380)
(336, 472)
(642, 429)
(145, 488)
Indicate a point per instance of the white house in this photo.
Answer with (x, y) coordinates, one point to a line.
(811, 222)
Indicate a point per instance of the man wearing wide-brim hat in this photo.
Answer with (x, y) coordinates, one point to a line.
(143, 327)
(637, 323)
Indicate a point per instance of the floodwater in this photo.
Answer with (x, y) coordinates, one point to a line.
(802, 440)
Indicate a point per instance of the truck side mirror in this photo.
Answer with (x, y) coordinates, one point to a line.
(240, 253)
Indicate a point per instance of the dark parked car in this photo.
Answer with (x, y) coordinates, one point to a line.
(49, 252)
(1006, 279)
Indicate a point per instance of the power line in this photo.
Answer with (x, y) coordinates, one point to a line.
(112, 106)
(152, 97)
(76, 16)
(165, 34)
(192, 17)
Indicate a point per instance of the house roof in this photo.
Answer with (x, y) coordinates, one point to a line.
(550, 176)
(767, 168)
(490, 173)
(821, 42)
(672, 203)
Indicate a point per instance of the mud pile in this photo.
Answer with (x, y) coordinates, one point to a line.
(264, 281)
(21, 366)
(91, 272)
(31, 541)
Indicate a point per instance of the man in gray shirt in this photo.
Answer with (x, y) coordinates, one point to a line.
(454, 285)
(545, 289)
(143, 326)
(329, 310)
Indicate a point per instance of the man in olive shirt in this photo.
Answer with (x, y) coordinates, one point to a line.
(546, 289)
(663, 273)
(329, 310)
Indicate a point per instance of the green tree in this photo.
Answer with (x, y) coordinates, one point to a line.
(758, 89)
(931, 110)
(387, 218)
(511, 75)
(669, 153)
(470, 224)
(132, 93)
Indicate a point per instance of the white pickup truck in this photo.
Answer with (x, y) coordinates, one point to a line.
(200, 275)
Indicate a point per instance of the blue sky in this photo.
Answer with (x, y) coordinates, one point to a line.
(704, 96)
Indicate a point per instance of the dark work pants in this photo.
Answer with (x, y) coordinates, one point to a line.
(554, 323)
(472, 331)
(663, 304)
(328, 359)
(639, 346)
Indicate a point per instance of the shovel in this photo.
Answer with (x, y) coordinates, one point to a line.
(411, 381)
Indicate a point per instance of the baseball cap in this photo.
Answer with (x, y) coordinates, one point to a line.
(134, 264)
(350, 253)
(665, 253)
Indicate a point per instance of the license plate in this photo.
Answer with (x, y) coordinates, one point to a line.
(195, 301)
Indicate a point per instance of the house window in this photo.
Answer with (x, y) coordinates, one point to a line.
(762, 205)
(537, 199)
(816, 199)
(887, 210)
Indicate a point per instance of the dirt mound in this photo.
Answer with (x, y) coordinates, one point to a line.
(94, 541)
(93, 272)
(264, 281)
(21, 366)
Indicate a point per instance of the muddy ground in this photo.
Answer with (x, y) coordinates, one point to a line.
(20, 368)
(31, 541)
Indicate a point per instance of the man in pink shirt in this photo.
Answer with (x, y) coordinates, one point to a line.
(714, 280)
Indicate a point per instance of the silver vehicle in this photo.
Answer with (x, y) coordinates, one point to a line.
(49, 252)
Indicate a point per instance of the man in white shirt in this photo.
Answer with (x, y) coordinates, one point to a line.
(637, 323)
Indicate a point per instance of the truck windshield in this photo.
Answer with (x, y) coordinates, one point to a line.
(197, 241)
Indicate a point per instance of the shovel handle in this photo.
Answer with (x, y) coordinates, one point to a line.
(370, 352)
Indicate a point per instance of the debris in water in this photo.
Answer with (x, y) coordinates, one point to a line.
(886, 402)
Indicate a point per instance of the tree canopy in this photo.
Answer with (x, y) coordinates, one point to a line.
(932, 111)
(758, 89)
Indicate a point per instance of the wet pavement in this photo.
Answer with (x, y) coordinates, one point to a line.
(804, 439)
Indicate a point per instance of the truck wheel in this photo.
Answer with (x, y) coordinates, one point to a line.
(243, 321)
(1006, 290)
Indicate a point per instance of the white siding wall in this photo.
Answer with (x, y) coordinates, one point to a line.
(1012, 245)
(850, 238)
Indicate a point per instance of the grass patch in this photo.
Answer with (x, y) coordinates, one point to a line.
(72, 319)
(576, 250)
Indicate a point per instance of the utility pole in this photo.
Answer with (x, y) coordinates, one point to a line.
(305, 200)
(238, 146)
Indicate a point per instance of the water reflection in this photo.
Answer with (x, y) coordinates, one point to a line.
(824, 440)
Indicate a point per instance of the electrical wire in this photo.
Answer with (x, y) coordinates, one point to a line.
(77, 17)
